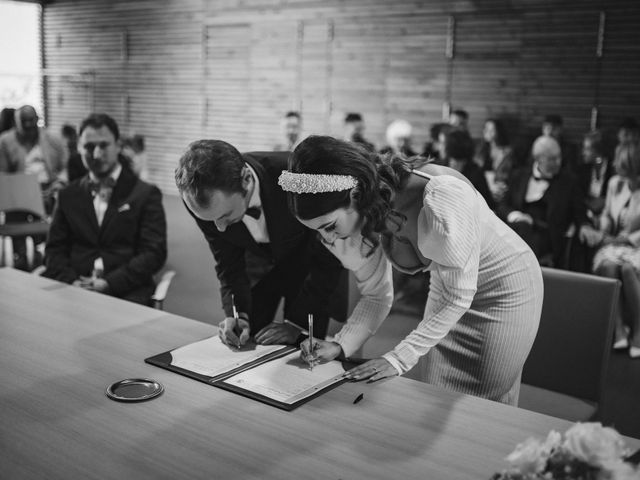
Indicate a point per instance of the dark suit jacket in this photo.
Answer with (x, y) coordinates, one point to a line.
(476, 176)
(132, 239)
(564, 205)
(291, 245)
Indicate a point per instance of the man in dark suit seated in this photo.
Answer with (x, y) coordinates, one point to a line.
(109, 232)
(594, 172)
(543, 201)
(457, 147)
(237, 203)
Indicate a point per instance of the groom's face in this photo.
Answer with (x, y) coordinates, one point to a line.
(224, 208)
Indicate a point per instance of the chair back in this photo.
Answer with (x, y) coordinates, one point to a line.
(21, 192)
(570, 354)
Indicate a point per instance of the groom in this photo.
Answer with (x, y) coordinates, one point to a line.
(242, 212)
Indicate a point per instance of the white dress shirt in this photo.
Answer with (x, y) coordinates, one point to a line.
(101, 198)
(537, 186)
(257, 226)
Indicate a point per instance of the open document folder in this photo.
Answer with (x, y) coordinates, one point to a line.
(273, 374)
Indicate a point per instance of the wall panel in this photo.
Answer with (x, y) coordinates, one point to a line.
(176, 71)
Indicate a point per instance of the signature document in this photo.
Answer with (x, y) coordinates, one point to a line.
(287, 379)
(211, 357)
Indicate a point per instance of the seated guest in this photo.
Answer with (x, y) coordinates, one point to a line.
(553, 126)
(398, 138)
(235, 200)
(543, 201)
(75, 167)
(291, 126)
(628, 132)
(30, 149)
(354, 131)
(7, 119)
(594, 173)
(108, 220)
(133, 149)
(458, 151)
(432, 147)
(494, 156)
(459, 119)
(619, 237)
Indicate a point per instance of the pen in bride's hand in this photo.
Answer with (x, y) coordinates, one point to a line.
(311, 340)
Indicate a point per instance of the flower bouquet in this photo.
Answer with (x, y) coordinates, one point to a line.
(587, 451)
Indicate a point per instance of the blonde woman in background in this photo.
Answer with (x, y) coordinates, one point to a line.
(619, 241)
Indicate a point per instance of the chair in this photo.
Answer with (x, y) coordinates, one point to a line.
(20, 195)
(564, 374)
(162, 287)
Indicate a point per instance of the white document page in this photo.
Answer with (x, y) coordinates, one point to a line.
(288, 379)
(211, 357)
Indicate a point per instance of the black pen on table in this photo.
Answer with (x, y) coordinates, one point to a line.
(235, 317)
(311, 340)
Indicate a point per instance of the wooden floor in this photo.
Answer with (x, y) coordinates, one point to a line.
(194, 294)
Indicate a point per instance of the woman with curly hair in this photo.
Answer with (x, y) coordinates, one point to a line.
(485, 296)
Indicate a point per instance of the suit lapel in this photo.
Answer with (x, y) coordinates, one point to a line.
(523, 186)
(86, 204)
(271, 203)
(124, 185)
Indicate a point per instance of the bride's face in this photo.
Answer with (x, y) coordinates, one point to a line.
(341, 223)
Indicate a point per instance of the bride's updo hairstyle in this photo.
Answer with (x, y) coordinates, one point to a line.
(378, 178)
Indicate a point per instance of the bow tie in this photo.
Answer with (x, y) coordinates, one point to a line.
(254, 212)
(105, 183)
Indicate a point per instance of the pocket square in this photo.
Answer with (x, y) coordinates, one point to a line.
(124, 208)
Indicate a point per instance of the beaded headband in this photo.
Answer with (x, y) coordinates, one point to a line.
(315, 183)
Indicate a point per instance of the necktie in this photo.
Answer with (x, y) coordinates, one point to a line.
(254, 212)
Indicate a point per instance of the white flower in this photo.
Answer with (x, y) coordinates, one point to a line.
(553, 441)
(594, 444)
(621, 471)
(529, 457)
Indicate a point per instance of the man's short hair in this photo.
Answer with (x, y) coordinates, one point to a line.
(595, 137)
(69, 131)
(461, 113)
(437, 128)
(458, 145)
(209, 165)
(352, 117)
(292, 113)
(553, 119)
(99, 120)
(629, 123)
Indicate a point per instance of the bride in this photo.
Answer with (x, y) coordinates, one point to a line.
(485, 295)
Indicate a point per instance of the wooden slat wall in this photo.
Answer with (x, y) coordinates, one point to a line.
(176, 71)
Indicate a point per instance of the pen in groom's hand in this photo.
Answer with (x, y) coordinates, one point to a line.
(311, 340)
(236, 329)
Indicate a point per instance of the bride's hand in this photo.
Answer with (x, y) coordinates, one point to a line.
(323, 351)
(375, 369)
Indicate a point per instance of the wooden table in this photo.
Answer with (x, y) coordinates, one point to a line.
(61, 346)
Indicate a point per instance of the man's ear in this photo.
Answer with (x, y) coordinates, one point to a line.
(246, 178)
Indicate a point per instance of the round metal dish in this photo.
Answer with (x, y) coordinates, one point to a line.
(134, 390)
